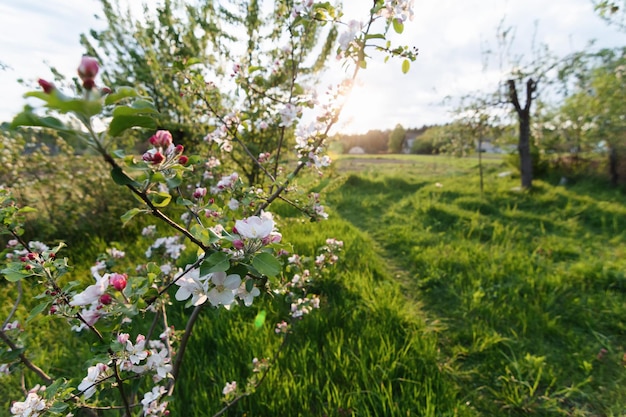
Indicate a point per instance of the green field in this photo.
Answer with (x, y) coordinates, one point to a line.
(445, 302)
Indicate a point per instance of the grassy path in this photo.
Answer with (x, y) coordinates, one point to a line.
(527, 288)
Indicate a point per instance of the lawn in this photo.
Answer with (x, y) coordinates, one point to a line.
(446, 302)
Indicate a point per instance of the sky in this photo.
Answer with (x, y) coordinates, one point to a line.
(451, 36)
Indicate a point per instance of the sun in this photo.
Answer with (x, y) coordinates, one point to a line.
(362, 111)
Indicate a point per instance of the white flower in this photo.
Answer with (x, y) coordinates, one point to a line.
(159, 361)
(116, 253)
(92, 293)
(171, 245)
(137, 351)
(88, 384)
(233, 204)
(149, 230)
(288, 114)
(245, 296)
(255, 227)
(194, 286)
(4, 369)
(150, 401)
(347, 37)
(229, 388)
(30, 407)
(224, 290)
(36, 246)
(11, 326)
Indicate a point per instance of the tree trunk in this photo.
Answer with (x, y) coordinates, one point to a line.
(525, 157)
(613, 165)
(523, 116)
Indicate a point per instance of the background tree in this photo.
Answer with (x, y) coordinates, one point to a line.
(522, 83)
(178, 54)
(597, 106)
(611, 11)
(475, 122)
(396, 139)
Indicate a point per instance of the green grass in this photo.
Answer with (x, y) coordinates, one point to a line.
(445, 302)
(528, 287)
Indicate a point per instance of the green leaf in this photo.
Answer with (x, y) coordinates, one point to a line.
(138, 107)
(202, 234)
(183, 201)
(119, 94)
(398, 26)
(174, 181)
(38, 309)
(123, 122)
(375, 36)
(28, 118)
(120, 177)
(58, 407)
(126, 217)
(58, 101)
(259, 320)
(216, 262)
(52, 389)
(14, 272)
(266, 264)
(160, 199)
(406, 66)
(26, 209)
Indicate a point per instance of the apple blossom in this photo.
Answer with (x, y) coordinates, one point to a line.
(247, 296)
(192, 285)
(94, 374)
(288, 114)
(254, 227)
(224, 290)
(137, 351)
(32, 406)
(199, 193)
(92, 293)
(150, 401)
(230, 388)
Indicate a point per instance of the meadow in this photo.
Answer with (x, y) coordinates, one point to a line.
(446, 302)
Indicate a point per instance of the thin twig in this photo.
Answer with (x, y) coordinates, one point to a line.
(15, 305)
(27, 363)
(258, 383)
(183, 346)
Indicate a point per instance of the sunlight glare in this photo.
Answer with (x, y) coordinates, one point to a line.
(362, 111)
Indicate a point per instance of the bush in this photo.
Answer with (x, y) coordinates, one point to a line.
(540, 164)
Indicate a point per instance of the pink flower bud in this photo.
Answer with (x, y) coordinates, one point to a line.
(105, 90)
(179, 149)
(123, 338)
(47, 86)
(199, 193)
(238, 244)
(118, 281)
(161, 139)
(153, 157)
(28, 267)
(88, 68)
(105, 299)
(32, 256)
(89, 84)
(183, 160)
